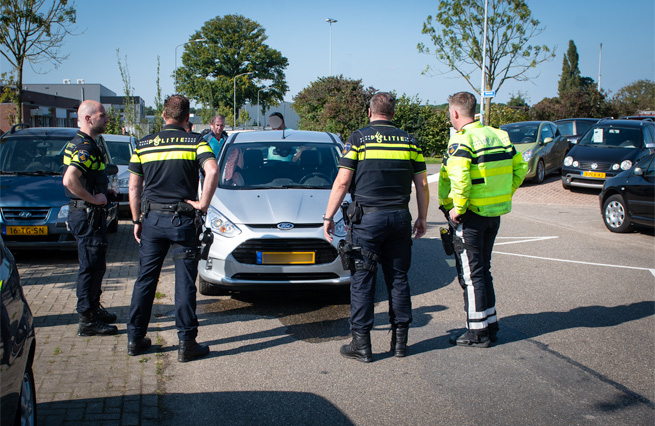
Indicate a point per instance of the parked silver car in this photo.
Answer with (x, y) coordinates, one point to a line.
(266, 214)
(121, 148)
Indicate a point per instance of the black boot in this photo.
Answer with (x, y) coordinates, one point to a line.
(359, 348)
(91, 326)
(104, 315)
(190, 350)
(138, 346)
(399, 340)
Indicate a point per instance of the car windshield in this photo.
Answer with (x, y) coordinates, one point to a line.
(612, 137)
(277, 165)
(566, 128)
(120, 152)
(521, 133)
(32, 154)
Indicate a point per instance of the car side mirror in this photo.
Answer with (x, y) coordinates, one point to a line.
(111, 169)
(548, 140)
(638, 171)
(650, 145)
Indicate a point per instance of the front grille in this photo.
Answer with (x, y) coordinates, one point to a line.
(25, 215)
(285, 277)
(601, 166)
(274, 225)
(247, 251)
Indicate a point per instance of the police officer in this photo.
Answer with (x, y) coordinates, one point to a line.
(379, 164)
(164, 172)
(86, 183)
(479, 175)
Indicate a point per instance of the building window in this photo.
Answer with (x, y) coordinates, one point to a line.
(61, 122)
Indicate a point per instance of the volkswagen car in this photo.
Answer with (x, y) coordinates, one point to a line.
(266, 214)
(607, 149)
(33, 203)
(542, 146)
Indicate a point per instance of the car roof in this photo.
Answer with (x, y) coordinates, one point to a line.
(623, 123)
(564, 120)
(117, 138)
(284, 136)
(41, 131)
(524, 123)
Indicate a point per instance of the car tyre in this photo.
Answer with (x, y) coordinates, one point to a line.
(26, 413)
(205, 288)
(615, 214)
(541, 172)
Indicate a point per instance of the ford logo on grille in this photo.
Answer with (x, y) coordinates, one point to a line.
(25, 215)
(284, 226)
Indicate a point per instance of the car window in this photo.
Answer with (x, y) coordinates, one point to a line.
(267, 165)
(649, 171)
(583, 126)
(521, 133)
(566, 128)
(648, 137)
(546, 132)
(554, 129)
(120, 152)
(32, 154)
(613, 137)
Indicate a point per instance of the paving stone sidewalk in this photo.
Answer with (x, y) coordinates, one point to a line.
(92, 380)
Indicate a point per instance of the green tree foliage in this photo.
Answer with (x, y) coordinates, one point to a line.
(581, 102)
(456, 32)
(33, 31)
(570, 78)
(635, 97)
(503, 114)
(234, 45)
(158, 121)
(114, 126)
(518, 100)
(430, 126)
(333, 104)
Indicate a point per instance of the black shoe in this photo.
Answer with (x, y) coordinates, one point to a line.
(190, 350)
(493, 331)
(138, 346)
(466, 340)
(399, 340)
(104, 315)
(91, 326)
(359, 348)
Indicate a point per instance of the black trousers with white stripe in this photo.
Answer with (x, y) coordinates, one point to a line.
(474, 241)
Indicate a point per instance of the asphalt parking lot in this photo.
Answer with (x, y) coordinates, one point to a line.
(576, 309)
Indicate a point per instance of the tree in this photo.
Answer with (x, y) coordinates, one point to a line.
(456, 32)
(158, 121)
(31, 30)
(430, 127)
(570, 78)
(635, 97)
(234, 45)
(333, 104)
(518, 100)
(580, 102)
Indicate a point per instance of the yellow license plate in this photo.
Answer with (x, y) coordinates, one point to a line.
(285, 258)
(594, 174)
(27, 230)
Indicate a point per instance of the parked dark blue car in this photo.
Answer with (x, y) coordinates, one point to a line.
(33, 205)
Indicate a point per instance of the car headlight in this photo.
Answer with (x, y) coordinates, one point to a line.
(626, 165)
(63, 212)
(340, 229)
(568, 161)
(527, 155)
(220, 225)
(615, 166)
(124, 183)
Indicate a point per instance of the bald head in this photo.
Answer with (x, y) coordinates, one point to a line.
(91, 118)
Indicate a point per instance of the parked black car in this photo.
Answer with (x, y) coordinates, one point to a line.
(573, 128)
(33, 203)
(629, 197)
(607, 149)
(17, 347)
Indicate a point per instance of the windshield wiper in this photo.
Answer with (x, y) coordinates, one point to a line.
(38, 173)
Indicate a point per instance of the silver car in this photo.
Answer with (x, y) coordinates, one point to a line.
(121, 148)
(266, 214)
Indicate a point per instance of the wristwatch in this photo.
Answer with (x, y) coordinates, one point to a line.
(136, 222)
(329, 219)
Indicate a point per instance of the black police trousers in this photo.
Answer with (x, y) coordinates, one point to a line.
(92, 255)
(388, 234)
(474, 241)
(160, 232)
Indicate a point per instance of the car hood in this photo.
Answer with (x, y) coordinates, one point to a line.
(272, 206)
(607, 155)
(522, 147)
(32, 191)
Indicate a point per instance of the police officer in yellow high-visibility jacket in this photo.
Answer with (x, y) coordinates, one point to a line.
(480, 173)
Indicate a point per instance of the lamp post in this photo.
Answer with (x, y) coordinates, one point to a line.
(190, 41)
(331, 21)
(483, 86)
(234, 117)
(258, 107)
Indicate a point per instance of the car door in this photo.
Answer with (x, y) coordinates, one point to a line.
(640, 191)
(560, 146)
(546, 146)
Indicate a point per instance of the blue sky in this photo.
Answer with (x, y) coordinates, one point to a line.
(377, 45)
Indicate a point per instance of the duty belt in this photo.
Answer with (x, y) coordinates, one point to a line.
(374, 209)
(81, 204)
(157, 207)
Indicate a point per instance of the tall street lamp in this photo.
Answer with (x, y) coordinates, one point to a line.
(234, 121)
(258, 108)
(331, 21)
(190, 41)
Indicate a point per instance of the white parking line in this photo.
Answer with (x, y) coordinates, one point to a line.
(521, 240)
(652, 271)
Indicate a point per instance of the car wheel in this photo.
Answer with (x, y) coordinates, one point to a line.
(615, 214)
(113, 225)
(207, 289)
(26, 414)
(541, 172)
